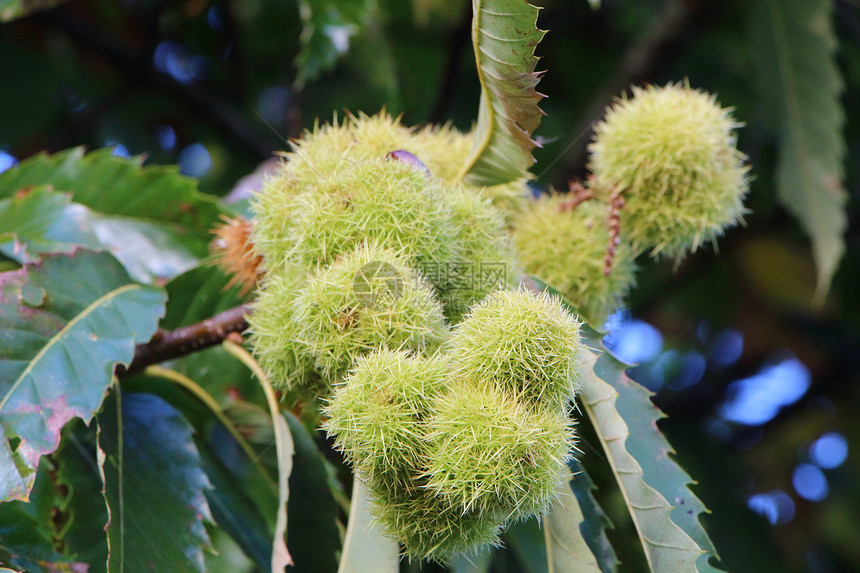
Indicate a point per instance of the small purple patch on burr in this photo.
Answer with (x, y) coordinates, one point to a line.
(406, 157)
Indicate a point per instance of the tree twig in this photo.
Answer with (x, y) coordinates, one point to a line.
(167, 345)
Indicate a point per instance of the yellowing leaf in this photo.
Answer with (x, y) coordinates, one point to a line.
(64, 325)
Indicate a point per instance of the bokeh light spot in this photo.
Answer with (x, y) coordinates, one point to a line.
(725, 348)
(809, 482)
(776, 505)
(757, 399)
(273, 104)
(829, 451)
(634, 342)
(194, 160)
(214, 19)
(166, 136)
(118, 149)
(691, 368)
(7, 161)
(179, 62)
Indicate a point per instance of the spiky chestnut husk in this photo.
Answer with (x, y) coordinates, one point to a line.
(235, 254)
(377, 415)
(445, 148)
(272, 215)
(370, 298)
(275, 337)
(567, 248)
(492, 453)
(429, 527)
(527, 343)
(488, 259)
(671, 152)
(329, 148)
(388, 202)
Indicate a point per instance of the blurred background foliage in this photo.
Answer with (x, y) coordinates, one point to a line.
(761, 387)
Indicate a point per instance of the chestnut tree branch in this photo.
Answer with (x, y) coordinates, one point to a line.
(167, 345)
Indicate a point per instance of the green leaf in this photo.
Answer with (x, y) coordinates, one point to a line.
(528, 544)
(627, 410)
(800, 82)
(468, 563)
(565, 547)
(226, 555)
(13, 485)
(152, 218)
(572, 517)
(234, 500)
(281, 557)
(43, 222)
(11, 9)
(83, 508)
(504, 36)
(284, 448)
(365, 548)
(595, 522)
(312, 533)
(116, 186)
(328, 27)
(668, 548)
(651, 450)
(233, 505)
(154, 486)
(198, 294)
(243, 499)
(571, 536)
(151, 251)
(64, 325)
(27, 531)
(40, 221)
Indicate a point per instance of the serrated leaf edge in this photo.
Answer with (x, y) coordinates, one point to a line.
(576, 544)
(482, 145)
(793, 124)
(665, 451)
(596, 393)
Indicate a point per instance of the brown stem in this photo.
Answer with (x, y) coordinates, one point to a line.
(616, 203)
(187, 339)
(577, 194)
